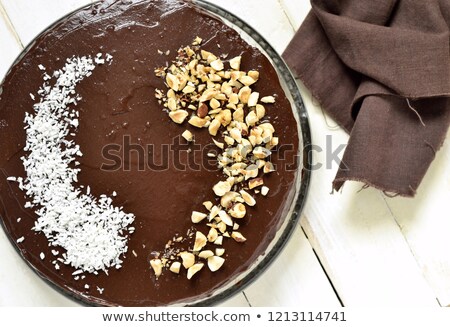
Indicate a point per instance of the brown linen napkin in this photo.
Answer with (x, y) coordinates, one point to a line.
(381, 69)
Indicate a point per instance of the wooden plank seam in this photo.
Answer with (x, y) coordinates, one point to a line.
(10, 25)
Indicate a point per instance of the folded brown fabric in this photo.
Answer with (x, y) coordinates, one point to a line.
(381, 69)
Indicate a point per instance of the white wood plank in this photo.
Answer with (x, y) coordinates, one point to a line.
(32, 17)
(294, 279)
(357, 239)
(238, 300)
(425, 222)
(8, 43)
(267, 17)
(296, 11)
(20, 286)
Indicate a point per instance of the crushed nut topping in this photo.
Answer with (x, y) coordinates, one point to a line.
(194, 269)
(207, 91)
(157, 266)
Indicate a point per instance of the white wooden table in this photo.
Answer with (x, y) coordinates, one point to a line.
(351, 248)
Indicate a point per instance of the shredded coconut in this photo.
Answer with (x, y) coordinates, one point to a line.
(91, 230)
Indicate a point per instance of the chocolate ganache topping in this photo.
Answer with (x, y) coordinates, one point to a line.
(133, 152)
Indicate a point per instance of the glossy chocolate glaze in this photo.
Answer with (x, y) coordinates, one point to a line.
(118, 101)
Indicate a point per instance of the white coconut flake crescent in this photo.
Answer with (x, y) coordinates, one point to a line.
(91, 230)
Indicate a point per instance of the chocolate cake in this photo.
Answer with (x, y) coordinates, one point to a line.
(158, 174)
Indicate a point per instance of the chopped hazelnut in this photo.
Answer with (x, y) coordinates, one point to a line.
(187, 258)
(238, 237)
(253, 99)
(220, 145)
(225, 218)
(200, 241)
(205, 54)
(194, 269)
(178, 116)
(244, 94)
(187, 135)
(172, 104)
(197, 41)
(235, 133)
(206, 254)
(214, 212)
(261, 152)
(246, 80)
(235, 75)
(202, 110)
(238, 115)
(208, 205)
(228, 198)
(251, 118)
(253, 74)
(228, 140)
(197, 217)
(248, 198)
(255, 182)
(215, 262)
(220, 252)
(214, 103)
(224, 117)
(268, 167)
(157, 266)
(175, 267)
(172, 81)
(251, 171)
(222, 226)
(235, 63)
(212, 235)
(219, 240)
(268, 99)
(214, 127)
(188, 89)
(260, 111)
(217, 65)
(234, 98)
(237, 211)
(221, 188)
(197, 121)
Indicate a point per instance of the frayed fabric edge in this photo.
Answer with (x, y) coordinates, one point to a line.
(338, 183)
